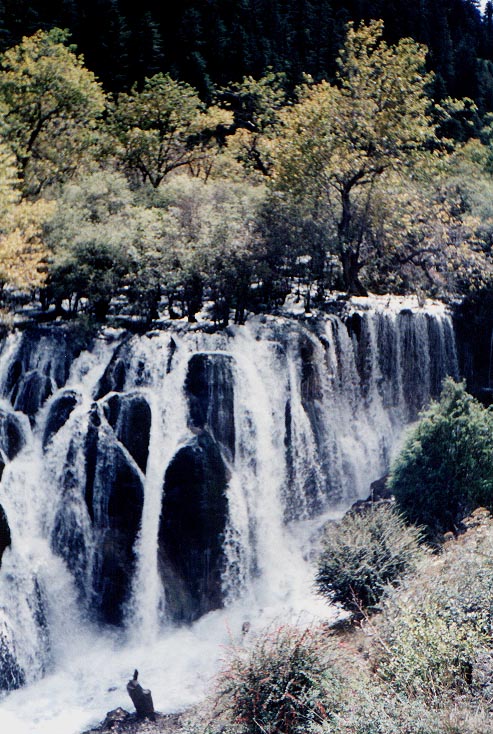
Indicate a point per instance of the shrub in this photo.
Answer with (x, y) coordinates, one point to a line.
(446, 466)
(370, 708)
(280, 684)
(363, 553)
(436, 634)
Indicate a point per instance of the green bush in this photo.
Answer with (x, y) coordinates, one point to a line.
(445, 469)
(370, 708)
(436, 634)
(363, 553)
(280, 684)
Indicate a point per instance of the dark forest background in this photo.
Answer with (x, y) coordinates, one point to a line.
(209, 43)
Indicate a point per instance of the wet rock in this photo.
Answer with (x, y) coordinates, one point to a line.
(120, 721)
(33, 390)
(379, 489)
(106, 514)
(379, 494)
(117, 498)
(11, 674)
(60, 411)
(46, 351)
(12, 438)
(191, 531)
(113, 379)
(311, 388)
(5, 537)
(209, 389)
(130, 417)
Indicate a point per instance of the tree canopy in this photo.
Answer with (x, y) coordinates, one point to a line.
(343, 140)
(50, 104)
(154, 200)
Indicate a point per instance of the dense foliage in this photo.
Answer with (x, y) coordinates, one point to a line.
(282, 683)
(363, 553)
(438, 633)
(445, 468)
(152, 202)
(215, 42)
(422, 665)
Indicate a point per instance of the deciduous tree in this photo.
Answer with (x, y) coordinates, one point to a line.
(159, 128)
(52, 103)
(342, 141)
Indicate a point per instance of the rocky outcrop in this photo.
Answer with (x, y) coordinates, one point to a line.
(12, 438)
(130, 417)
(191, 530)
(97, 524)
(11, 674)
(473, 322)
(210, 394)
(114, 497)
(120, 721)
(5, 537)
(41, 364)
(60, 411)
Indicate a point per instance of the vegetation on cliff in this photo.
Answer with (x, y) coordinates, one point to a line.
(445, 469)
(155, 201)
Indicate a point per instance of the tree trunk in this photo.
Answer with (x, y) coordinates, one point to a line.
(141, 698)
(350, 269)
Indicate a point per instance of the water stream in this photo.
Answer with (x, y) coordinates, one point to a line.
(116, 560)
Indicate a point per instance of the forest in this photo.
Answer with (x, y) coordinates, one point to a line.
(367, 169)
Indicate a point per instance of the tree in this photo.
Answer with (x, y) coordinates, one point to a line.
(158, 129)
(341, 142)
(445, 468)
(200, 236)
(256, 104)
(23, 255)
(52, 104)
(363, 553)
(91, 235)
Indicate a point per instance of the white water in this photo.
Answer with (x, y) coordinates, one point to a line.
(347, 411)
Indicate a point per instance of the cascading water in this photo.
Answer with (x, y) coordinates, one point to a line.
(179, 477)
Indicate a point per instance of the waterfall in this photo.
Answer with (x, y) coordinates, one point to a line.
(158, 489)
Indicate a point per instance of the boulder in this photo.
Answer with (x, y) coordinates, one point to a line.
(33, 390)
(113, 379)
(46, 351)
(114, 496)
(191, 530)
(97, 524)
(60, 410)
(130, 417)
(209, 387)
(5, 537)
(12, 438)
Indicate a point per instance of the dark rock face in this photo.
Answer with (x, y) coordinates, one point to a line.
(473, 323)
(5, 538)
(210, 394)
(11, 435)
(121, 366)
(191, 531)
(110, 505)
(114, 377)
(11, 674)
(114, 496)
(311, 389)
(130, 417)
(60, 411)
(42, 362)
(311, 398)
(33, 390)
